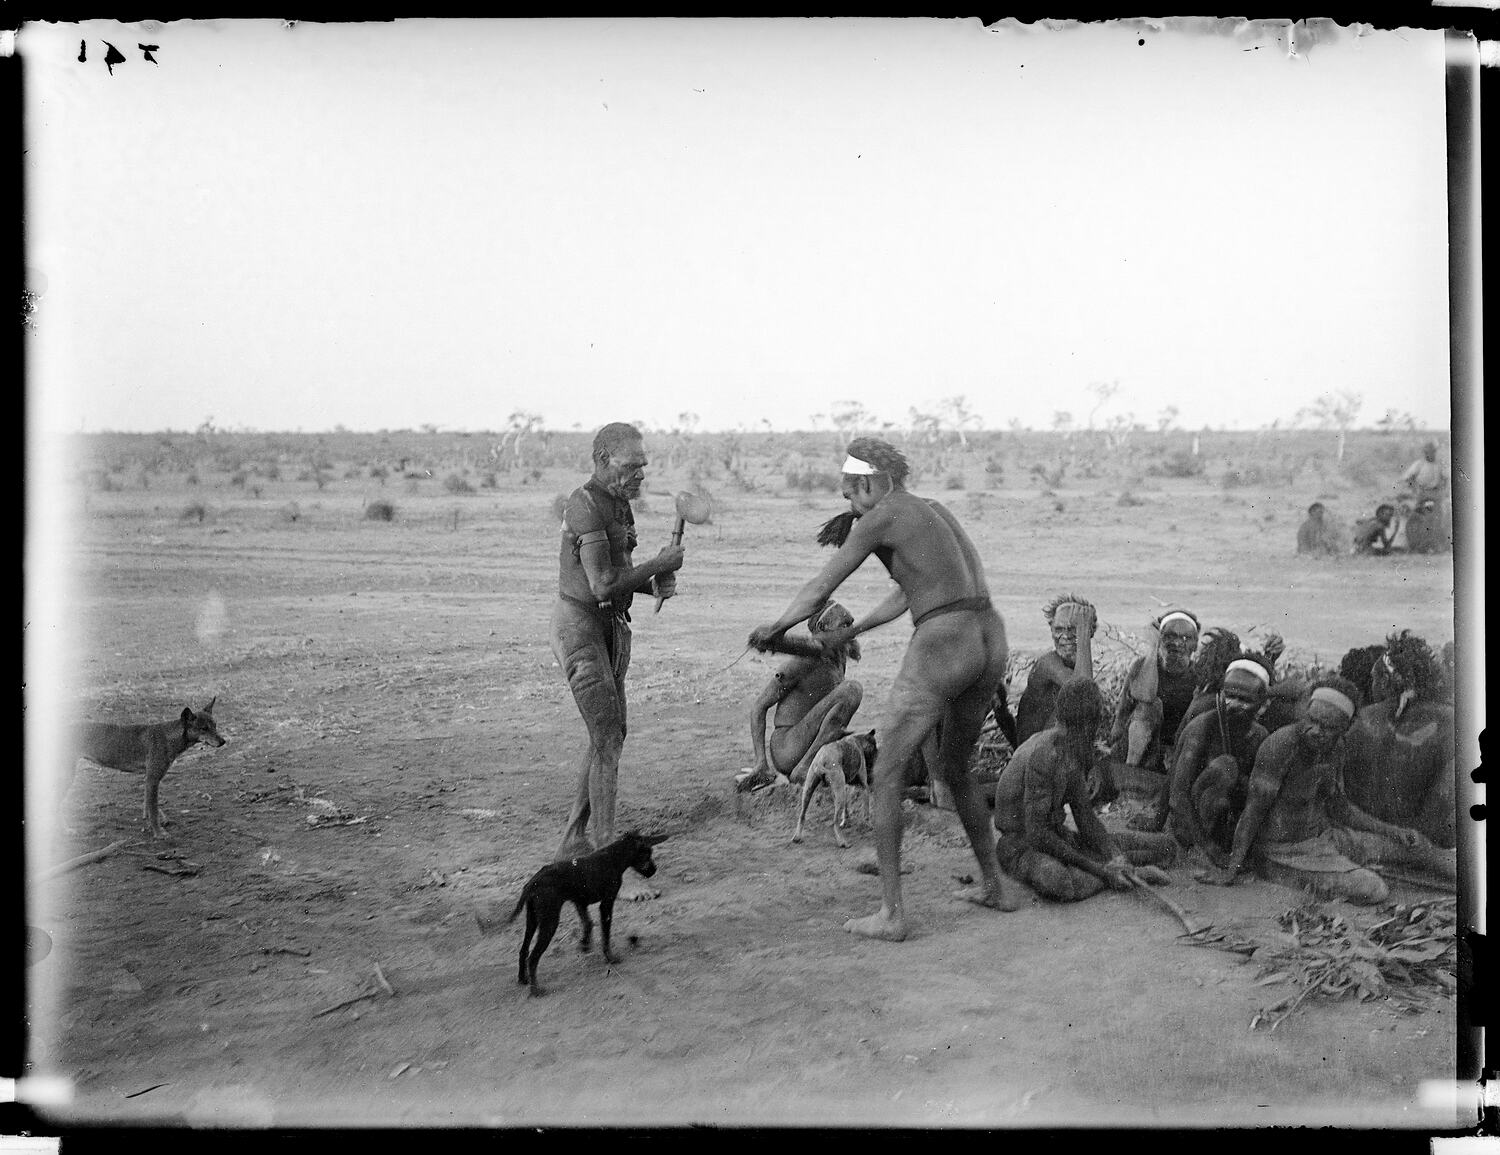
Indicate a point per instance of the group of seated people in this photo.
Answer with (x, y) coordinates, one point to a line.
(1319, 782)
(1423, 515)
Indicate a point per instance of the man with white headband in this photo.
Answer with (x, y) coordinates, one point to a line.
(1158, 690)
(1212, 762)
(1401, 765)
(1299, 827)
(952, 667)
(814, 703)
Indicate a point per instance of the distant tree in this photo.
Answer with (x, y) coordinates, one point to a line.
(1166, 419)
(850, 417)
(1062, 421)
(1396, 421)
(1334, 411)
(958, 417)
(521, 425)
(926, 427)
(1103, 390)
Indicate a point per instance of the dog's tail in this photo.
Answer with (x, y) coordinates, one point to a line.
(520, 902)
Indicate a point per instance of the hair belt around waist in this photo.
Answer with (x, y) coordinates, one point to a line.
(598, 609)
(952, 608)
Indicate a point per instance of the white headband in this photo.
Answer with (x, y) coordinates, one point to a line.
(856, 466)
(1249, 667)
(1177, 615)
(1334, 698)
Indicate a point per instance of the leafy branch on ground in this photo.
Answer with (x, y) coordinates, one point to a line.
(1407, 959)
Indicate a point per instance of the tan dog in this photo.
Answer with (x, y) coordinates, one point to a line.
(142, 749)
(843, 762)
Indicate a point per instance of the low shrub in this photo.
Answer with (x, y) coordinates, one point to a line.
(380, 511)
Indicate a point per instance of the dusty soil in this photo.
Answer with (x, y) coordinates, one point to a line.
(400, 755)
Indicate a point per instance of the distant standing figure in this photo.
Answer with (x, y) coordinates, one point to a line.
(591, 624)
(1429, 528)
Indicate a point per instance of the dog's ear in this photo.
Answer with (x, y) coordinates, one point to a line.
(871, 735)
(655, 839)
(187, 713)
(209, 709)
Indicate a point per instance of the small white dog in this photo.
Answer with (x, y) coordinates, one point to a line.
(844, 763)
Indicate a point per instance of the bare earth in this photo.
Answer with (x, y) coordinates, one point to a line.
(400, 756)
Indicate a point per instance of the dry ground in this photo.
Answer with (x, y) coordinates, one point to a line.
(398, 674)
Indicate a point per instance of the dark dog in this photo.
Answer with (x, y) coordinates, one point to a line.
(844, 762)
(142, 749)
(582, 881)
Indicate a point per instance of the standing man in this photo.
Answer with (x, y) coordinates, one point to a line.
(952, 667)
(591, 623)
(1426, 480)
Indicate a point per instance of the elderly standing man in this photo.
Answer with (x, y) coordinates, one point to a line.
(597, 579)
(1300, 829)
(1428, 528)
(949, 674)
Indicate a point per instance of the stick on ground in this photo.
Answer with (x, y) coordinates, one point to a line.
(82, 860)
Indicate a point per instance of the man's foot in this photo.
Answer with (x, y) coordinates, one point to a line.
(1155, 875)
(746, 781)
(999, 897)
(874, 868)
(637, 889)
(878, 925)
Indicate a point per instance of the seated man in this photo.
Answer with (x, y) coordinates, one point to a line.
(1158, 690)
(1220, 649)
(1299, 827)
(1072, 621)
(1317, 534)
(1401, 764)
(1046, 774)
(1375, 534)
(1214, 754)
(813, 701)
(1358, 665)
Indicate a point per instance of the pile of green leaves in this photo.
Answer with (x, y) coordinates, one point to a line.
(1407, 959)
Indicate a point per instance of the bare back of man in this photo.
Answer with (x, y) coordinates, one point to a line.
(948, 677)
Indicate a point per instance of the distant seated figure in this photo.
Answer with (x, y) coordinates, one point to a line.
(1046, 775)
(1072, 621)
(1317, 534)
(1401, 764)
(1214, 755)
(1375, 534)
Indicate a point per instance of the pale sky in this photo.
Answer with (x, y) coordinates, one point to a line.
(443, 222)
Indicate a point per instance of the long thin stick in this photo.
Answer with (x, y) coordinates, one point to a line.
(1413, 879)
(346, 1003)
(1141, 886)
(82, 860)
